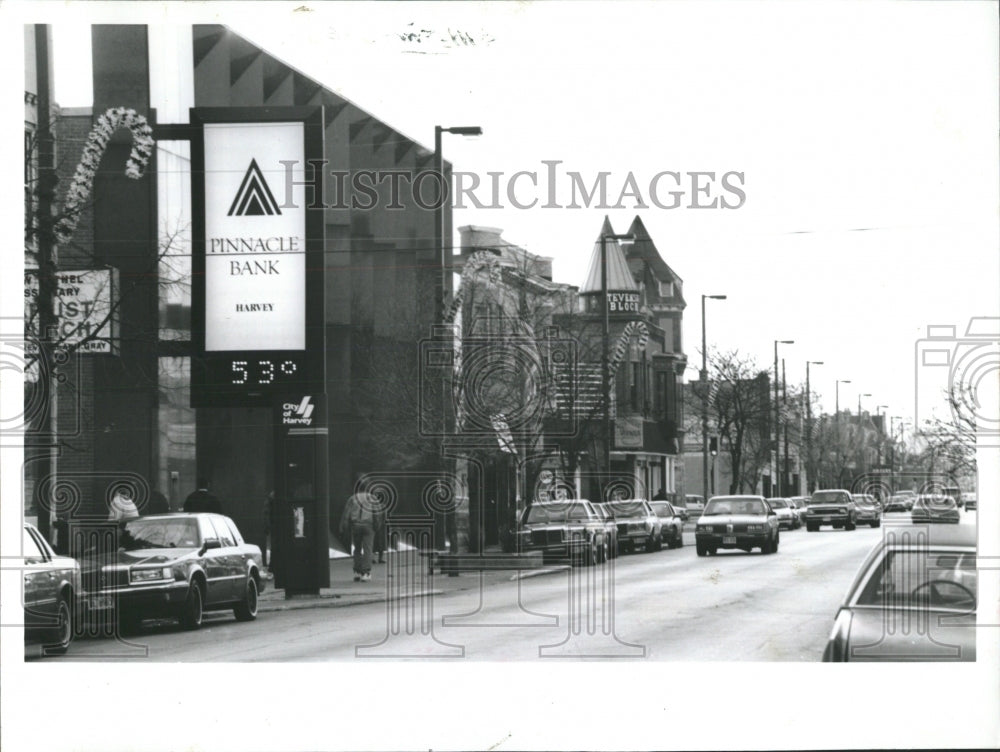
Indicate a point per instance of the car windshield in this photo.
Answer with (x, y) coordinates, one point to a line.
(823, 497)
(777, 503)
(628, 509)
(167, 532)
(921, 578)
(734, 506)
(662, 509)
(934, 502)
(542, 513)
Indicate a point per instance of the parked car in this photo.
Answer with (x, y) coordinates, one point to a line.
(970, 500)
(695, 504)
(787, 519)
(833, 507)
(743, 522)
(638, 525)
(174, 566)
(867, 509)
(913, 599)
(899, 503)
(929, 508)
(671, 523)
(611, 529)
(51, 590)
(570, 529)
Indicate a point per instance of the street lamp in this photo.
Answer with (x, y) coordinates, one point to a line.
(442, 283)
(704, 400)
(605, 357)
(811, 485)
(836, 413)
(777, 430)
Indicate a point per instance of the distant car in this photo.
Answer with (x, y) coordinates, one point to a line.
(51, 589)
(680, 507)
(638, 525)
(913, 599)
(801, 506)
(928, 508)
(899, 503)
(833, 507)
(174, 566)
(867, 509)
(671, 523)
(970, 500)
(955, 493)
(570, 529)
(695, 504)
(743, 522)
(787, 519)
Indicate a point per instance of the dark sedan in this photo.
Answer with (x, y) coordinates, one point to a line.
(931, 508)
(743, 522)
(565, 529)
(913, 599)
(174, 566)
(51, 587)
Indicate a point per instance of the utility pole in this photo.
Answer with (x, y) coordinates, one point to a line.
(811, 484)
(47, 263)
(785, 483)
(704, 399)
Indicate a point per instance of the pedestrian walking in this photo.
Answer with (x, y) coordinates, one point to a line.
(122, 506)
(357, 525)
(157, 503)
(202, 500)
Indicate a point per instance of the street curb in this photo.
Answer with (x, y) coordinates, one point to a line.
(539, 572)
(335, 601)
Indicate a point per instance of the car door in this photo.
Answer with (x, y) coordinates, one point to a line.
(213, 560)
(235, 562)
(40, 584)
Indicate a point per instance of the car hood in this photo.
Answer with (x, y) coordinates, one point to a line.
(931, 636)
(144, 557)
(735, 519)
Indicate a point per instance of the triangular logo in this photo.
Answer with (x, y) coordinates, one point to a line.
(254, 198)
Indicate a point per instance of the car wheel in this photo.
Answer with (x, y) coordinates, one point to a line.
(246, 610)
(713, 551)
(850, 525)
(777, 539)
(63, 631)
(702, 551)
(810, 528)
(191, 614)
(877, 522)
(765, 547)
(680, 538)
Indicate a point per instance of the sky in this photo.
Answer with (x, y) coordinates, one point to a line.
(865, 135)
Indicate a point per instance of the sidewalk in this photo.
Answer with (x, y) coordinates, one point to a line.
(343, 591)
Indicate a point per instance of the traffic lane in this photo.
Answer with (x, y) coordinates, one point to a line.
(678, 606)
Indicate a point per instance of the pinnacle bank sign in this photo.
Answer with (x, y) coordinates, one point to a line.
(255, 250)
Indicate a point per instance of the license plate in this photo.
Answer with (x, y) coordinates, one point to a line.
(729, 540)
(99, 602)
(826, 519)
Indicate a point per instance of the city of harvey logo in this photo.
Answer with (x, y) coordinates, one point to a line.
(254, 198)
(298, 415)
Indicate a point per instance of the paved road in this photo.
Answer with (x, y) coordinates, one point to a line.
(666, 606)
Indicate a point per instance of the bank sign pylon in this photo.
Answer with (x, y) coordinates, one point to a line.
(257, 317)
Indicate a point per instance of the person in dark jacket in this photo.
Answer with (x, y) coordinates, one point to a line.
(157, 504)
(202, 500)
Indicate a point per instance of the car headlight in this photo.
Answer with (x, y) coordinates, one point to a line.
(151, 575)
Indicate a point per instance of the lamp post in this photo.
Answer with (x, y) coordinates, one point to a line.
(605, 347)
(777, 418)
(704, 400)
(811, 486)
(444, 260)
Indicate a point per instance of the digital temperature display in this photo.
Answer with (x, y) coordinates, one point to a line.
(248, 379)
